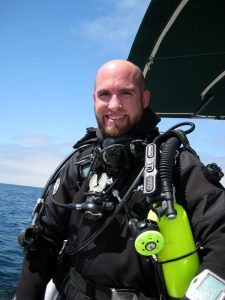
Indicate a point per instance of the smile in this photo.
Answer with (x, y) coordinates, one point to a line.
(116, 120)
(115, 117)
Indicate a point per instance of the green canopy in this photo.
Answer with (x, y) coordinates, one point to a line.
(180, 47)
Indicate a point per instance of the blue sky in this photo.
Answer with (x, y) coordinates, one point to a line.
(50, 52)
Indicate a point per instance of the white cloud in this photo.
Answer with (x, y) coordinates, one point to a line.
(116, 30)
(135, 5)
(32, 160)
(30, 165)
(33, 139)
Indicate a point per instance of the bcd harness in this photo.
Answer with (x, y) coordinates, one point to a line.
(150, 234)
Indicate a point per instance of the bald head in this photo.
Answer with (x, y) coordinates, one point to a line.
(112, 67)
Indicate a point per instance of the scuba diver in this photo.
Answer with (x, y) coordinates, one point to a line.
(95, 208)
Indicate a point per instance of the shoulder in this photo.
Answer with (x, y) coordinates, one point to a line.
(188, 158)
(89, 137)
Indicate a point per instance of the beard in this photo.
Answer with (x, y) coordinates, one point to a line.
(114, 130)
(111, 130)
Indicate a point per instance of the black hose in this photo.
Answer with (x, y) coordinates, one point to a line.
(167, 162)
(192, 127)
(166, 173)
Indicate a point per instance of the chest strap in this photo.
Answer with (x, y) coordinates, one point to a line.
(96, 292)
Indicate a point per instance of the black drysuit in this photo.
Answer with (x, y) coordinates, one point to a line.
(110, 260)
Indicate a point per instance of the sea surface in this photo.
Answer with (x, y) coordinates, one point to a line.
(16, 205)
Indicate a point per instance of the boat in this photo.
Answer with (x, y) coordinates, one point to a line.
(180, 47)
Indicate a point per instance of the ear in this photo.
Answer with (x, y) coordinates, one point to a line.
(146, 98)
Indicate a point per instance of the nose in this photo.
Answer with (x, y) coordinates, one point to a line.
(114, 103)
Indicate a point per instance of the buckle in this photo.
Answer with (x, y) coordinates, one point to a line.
(123, 294)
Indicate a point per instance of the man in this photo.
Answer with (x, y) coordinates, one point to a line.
(100, 258)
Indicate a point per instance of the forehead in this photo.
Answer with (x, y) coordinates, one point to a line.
(115, 78)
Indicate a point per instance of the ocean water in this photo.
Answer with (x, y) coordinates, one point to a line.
(16, 206)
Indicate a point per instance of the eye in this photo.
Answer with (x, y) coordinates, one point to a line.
(126, 93)
(104, 95)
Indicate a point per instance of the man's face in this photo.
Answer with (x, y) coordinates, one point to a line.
(119, 100)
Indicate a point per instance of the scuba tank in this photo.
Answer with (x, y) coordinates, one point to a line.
(167, 235)
(178, 257)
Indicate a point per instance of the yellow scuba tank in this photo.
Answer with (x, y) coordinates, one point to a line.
(178, 256)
